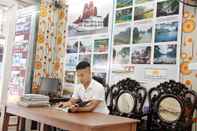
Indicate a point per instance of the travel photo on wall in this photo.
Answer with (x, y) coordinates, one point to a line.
(100, 61)
(142, 33)
(166, 8)
(166, 31)
(88, 17)
(72, 46)
(144, 12)
(71, 61)
(70, 77)
(115, 34)
(165, 54)
(123, 3)
(123, 15)
(122, 34)
(141, 55)
(85, 46)
(142, 1)
(101, 45)
(121, 55)
(85, 57)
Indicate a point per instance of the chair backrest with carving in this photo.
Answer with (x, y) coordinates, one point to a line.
(126, 98)
(171, 107)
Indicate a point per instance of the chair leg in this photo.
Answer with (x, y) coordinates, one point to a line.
(18, 123)
(22, 124)
(4, 121)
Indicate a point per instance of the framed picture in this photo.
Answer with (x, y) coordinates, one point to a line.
(122, 34)
(124, 15)
(166, 32)
(165, 54)
(87, 17)
(166, 8)
(72, 46)
(121, 55)
(101, 45)
(142, 33)
(141, 55)
(85, 46)
(123, 3)
(144, 12)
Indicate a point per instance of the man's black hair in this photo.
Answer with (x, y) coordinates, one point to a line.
(82, 65)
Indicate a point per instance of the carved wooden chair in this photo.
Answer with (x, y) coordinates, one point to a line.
(171, 107)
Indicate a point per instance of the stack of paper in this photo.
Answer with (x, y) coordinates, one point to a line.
(34, 100)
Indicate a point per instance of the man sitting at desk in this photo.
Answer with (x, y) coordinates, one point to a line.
(89, 90)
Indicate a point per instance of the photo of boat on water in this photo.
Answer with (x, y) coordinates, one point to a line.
(166, 8)
(142, 33)
(123, 3)
(89, 17)
(144, 12)
(141, 55)
(124, 15)
(122, 34)
(166, 32)
(165, 54)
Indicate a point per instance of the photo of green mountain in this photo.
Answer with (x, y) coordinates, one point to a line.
(122, 34)
(142, 34)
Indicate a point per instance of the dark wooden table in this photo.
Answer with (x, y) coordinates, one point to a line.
(69, 121)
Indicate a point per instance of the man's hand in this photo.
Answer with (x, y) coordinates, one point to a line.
(64, 104)
(74, 108)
